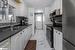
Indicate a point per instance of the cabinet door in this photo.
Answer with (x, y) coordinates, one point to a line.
(58, 40)
(26, 37)
(23, 42)
(28, 33)
(5, 44)
(16, 42)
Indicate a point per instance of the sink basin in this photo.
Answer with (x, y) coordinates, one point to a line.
(16, 28)
(12, 28)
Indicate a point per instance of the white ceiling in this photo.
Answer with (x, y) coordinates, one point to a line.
(39, 3)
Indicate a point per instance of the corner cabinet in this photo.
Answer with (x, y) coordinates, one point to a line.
(58, 40)
(20, 40)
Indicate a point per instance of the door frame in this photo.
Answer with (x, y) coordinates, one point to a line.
(35, 21)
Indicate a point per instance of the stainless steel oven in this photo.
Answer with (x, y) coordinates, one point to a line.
(49, 35)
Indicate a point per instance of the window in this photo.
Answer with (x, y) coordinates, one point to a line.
(38, 18)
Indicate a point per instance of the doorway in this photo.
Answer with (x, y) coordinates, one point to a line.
(38, 21)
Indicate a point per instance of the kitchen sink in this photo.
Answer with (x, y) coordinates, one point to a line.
(16, 27)
(10, 28)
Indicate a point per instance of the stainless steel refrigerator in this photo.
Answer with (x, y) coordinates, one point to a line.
(68, 24)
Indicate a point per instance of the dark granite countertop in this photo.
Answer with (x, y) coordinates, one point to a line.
(7, 24)
(57, 28)
(49, 25)
(8, 33)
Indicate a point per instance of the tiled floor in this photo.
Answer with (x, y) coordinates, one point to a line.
(42, 43)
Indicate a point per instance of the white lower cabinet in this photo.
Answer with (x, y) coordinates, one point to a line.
(58, 40)
(20, 40)
(24, 37)
(27, 35)
(16, 42)
(5, 45)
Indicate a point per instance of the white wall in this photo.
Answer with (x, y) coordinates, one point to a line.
(21, 8)
(47, 10)
(57, 4)
(31, 17)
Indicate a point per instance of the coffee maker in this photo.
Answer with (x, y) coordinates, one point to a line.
(22, 20)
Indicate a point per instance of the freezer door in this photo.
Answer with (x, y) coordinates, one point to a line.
(69, 22)
(67, 46)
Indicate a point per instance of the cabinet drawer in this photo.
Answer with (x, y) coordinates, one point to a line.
(60, 34)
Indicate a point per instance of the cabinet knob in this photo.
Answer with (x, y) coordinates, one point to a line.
(56, 31)
(20, 33)
(59, 33)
